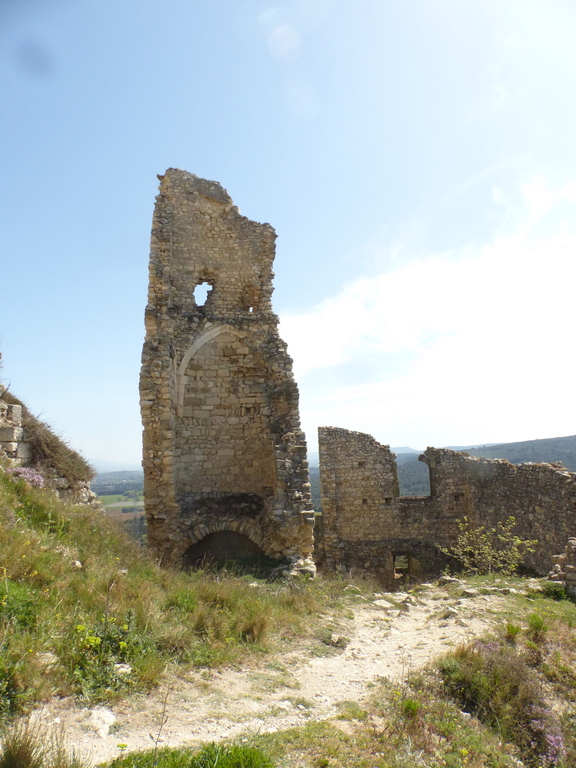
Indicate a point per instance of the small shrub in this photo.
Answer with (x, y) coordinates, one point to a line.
(98, 658)
(411, 708)
(24, 746)
(537, 628)
(211, 756)
(511, 632)
(496, 684)
(554, 591)
(481, 550)
(28, 475)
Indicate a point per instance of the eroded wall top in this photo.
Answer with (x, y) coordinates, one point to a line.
(223, 448)
(199, 236)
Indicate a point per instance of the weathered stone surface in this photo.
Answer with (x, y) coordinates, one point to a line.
(10, 434)
(564, 568)
(224, 456)
(12, 437)
(15, 448)
(367, 526)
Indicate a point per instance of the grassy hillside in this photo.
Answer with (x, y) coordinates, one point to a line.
(85, 610)
(549, 450)
(50, 454)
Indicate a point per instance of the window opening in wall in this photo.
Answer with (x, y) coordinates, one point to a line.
(413, 475)
(361, 463)
(201, 293)
(250, 309)
(401, 564)
(364, 501)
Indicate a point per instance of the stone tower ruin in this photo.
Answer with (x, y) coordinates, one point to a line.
(225, 468)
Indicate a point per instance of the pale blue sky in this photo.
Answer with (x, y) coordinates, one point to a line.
(416, 157)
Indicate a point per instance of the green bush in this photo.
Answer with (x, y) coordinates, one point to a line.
(495, 683)
(481, 550)
(411, 708)
(511, 632)
(554, 591)
(24, 746)
(211, 756)
(537, 628)
(99, 657)
(50, 452)
(19, 603)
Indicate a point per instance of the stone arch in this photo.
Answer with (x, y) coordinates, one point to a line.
(247, 528)
(208, 334)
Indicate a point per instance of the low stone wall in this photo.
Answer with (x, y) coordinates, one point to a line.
(15, 448)
(367, 525)
(12, 442)
(564, 569)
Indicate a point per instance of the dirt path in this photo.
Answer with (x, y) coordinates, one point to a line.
(382, 641)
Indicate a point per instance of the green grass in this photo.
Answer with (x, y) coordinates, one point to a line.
(112, 498)
(85, 611)
(76, 590)
(25, 746)
(49, 453)
(210, 756)
(108, 500)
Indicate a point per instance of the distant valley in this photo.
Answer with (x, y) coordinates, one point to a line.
(412, 474)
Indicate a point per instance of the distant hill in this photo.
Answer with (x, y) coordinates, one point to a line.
(548, 450)
(103, 466)
(413, 475)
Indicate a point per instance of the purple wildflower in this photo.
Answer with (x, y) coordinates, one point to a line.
(29, 475)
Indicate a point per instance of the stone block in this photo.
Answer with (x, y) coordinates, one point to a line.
(24, 451)
(10, 434)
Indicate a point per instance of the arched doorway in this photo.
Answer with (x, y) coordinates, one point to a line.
(228, 547)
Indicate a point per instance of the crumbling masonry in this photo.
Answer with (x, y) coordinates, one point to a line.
(225, 468)
(366, 525)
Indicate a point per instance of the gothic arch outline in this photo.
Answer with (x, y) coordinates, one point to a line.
(246, 527)
(208, 334)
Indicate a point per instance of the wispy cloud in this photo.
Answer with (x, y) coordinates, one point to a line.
(284, 41)
(460, 347)
(282, 36)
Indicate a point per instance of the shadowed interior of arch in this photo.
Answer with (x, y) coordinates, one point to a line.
(224, 547)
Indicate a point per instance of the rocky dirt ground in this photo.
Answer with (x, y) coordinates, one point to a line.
(386, 636)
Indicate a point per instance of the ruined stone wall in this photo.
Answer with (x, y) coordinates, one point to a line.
(358, 477)
(12, 440)
(541, 497)
(373, 535)
(16, 449)
(223, 449)
(564, 569)
(365, 524)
